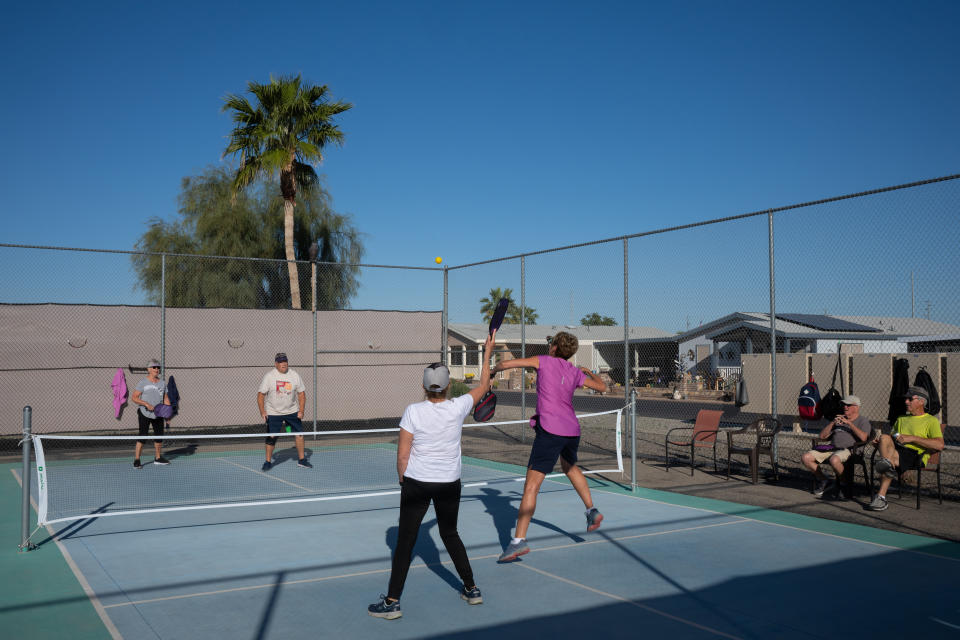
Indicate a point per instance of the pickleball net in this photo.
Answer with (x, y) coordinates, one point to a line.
(92, 476)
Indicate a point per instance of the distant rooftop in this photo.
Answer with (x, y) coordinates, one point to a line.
(539, 332)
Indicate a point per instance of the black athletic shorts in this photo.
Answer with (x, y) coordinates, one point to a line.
(548, 447)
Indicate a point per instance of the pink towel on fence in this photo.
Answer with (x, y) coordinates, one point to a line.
(119, 386)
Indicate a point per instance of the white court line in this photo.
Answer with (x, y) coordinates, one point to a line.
(87, 589)
(647, 608)
(292, 484)
(796, 528)
(271, 585)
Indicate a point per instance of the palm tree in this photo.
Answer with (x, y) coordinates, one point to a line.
(283, 133)
(489, 303)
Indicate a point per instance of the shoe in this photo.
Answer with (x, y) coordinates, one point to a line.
(822, 488)
(472, 595)
(879, 504)
(266, 466)
(303, 462)
(594, 518)
(514, 551)
(384, 609)
(161, 460)
(136, 463)
(886, 468)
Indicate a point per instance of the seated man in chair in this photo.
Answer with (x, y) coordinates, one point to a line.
(845, 432)
(909, 444)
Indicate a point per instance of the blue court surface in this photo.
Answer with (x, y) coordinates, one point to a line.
(662, 565)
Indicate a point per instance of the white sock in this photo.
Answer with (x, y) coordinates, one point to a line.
(516, 540)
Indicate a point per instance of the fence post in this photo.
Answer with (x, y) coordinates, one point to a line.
(25, 544)
(163, 320)
(445, 319)
(633, 440)
(523, 344)
(626, 325)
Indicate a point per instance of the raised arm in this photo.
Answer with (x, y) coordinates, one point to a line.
(477, 392)
(594, 381)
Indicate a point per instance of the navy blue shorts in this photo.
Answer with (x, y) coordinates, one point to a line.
(548, 447)
(275, 423)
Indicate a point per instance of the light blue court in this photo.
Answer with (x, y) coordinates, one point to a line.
(662, 565)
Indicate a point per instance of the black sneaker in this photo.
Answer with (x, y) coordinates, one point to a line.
(471, 595)
(303, 462)
(136, 463)
(161, 460)
(384, 609)
(266, 466)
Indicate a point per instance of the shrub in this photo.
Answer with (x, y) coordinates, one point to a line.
(457, 389)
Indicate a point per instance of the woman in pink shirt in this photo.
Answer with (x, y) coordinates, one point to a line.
(558, 432)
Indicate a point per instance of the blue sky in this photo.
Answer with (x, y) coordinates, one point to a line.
(481, 129)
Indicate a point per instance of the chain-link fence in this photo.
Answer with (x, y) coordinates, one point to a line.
(685, 316)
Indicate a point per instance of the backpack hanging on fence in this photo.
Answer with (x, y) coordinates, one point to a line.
(901, 380)
(808, 404)
(831, 405)
(924, 381)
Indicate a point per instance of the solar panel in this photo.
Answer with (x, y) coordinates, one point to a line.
(826, 323)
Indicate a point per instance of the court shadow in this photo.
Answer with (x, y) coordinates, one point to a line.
(504, 514)
(186, 450)
(426, 549)
(289, 454)
(270, 606)
(74, 527)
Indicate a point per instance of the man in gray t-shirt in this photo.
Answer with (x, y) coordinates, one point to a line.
(847, 432)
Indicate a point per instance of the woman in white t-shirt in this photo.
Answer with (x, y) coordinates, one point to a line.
(428, 464)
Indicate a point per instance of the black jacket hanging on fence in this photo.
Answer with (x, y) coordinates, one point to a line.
(742, 398)
(924, 381)
(901, 381)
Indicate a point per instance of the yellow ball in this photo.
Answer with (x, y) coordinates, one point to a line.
(438, 260)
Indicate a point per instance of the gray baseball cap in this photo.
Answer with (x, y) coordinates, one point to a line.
(153, 363)
(436, 377)
(850, 401)
(919, 392)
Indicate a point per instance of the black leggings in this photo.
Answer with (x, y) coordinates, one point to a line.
(415, 497)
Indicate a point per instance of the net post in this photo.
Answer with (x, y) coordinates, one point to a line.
(633, 440)
(25, 544)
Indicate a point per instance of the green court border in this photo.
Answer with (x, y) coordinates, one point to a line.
(41, 597)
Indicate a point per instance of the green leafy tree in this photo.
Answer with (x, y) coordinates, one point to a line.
(283, 133)
(489, 304)
(215, 220)
(595, 319)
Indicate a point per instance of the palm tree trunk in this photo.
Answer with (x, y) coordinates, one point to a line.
(288, 246)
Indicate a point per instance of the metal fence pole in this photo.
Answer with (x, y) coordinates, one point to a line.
(523, 344)
(773, 321)
(446, 319)
(25, 544)
(773, 337)
(314, 253)
(163, 318)
(633, 440)
(626, 325)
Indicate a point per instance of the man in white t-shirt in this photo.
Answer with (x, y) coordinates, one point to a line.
(281, 398)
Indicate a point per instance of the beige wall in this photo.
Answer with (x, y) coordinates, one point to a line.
(951, 412)
(866, 375)
(872, 375)
(217, 357)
